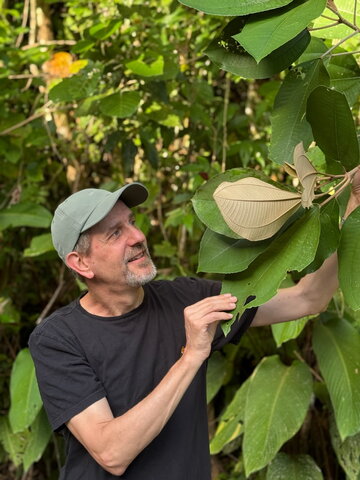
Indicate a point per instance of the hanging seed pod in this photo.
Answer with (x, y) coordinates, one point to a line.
(254, 209)
(307, 175)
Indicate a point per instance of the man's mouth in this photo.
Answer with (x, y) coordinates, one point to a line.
(137, 257)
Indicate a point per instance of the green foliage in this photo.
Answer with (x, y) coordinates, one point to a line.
(141, 96)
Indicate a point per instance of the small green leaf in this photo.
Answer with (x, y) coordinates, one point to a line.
(220, 254)
(216, 373)
(337, 347)
(225, 433)
(39, 245)
(265, 32)
(25, 215)
(289, 125)
(293, 250)
(79, 86)
(120, 104)
(285, 331)
(349, 260)
(234, 7)
(14, 443)
(153, 69)
(293, 467)
(230, 56)
(333, 128)
(24, 392)
(39, 438)
(282, 394)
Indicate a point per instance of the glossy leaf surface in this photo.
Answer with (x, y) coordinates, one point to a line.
(234, 7)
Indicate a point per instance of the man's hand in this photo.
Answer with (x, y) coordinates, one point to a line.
(201, 320)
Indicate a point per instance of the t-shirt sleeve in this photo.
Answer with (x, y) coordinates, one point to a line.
(238, 328)
(66, 381)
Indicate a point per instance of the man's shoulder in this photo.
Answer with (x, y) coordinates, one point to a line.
(56, 320)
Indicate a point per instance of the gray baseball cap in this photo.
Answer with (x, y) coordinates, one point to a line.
(84, 209)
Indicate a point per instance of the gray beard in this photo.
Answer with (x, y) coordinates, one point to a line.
(140, 279)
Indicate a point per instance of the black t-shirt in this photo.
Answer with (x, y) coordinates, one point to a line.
(81, 358)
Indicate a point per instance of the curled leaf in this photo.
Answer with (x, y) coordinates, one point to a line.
(307, 175)
(254, 209)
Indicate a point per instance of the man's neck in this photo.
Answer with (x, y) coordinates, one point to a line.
(112, 303)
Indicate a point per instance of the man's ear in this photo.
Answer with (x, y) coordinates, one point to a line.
(79, 264)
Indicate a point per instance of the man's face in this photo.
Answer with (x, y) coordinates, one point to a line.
(118, 253)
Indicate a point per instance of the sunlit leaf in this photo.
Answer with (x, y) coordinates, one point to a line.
(14, 443)
(25, 215)
(282, 394)
(234, 7)
(24, 392)
(337, 347)
(254, 209)
(39, 245)
(285, 331)
(120, 104)
(230, 56)
(349, 260)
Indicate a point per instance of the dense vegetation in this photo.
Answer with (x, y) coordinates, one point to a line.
(182, 96)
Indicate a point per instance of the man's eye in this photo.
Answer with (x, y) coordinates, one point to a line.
(116, 233)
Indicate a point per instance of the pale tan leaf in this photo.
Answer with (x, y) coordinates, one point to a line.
(307, 175)
(254, 209)
(289, 169)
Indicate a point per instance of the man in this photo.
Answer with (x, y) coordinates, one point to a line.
(122, 370)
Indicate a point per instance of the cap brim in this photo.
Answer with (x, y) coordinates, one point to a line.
(132, 194)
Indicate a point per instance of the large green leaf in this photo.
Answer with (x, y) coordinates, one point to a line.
(234, 7)
(293, 250)
(329, 236)
(229, 55)
(289, 125)
(347, 452)
(25, 215)
(347, 9)
(220, 254)
(39, 245)
(293, 467)
(349, 260)
(337, 347)
(24, 392)
(276, 406)
(39, 437)
(344, 74)
(333, 128)
(14, 443)
(205, 206)
(120, 104)
(265, 32)
(231, 421)
(215, 375)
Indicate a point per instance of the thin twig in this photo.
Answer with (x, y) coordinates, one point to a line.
(355, 13)
(345, 53)
(329, 18)
(25, 16)
(314, 372)
(48, 43)
(341, 18)
(325, 26)
(225, 114)
(340, 42)
(27, 120)
(24, 75)
(54, 296)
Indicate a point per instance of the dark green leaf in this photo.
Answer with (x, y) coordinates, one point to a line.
(329, 236)
(337, 348)
(344, 74)
(120, 104)
(215, 375)
(79, 86)
(38, 439)
(289, 125)
(229, 55)
(293, 467)
(293, 250)
(349, 260)
(333, 128)
(220, 254)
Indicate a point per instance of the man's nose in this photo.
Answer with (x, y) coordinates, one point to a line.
(136, 235)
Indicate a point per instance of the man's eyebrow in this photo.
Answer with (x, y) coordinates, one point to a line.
(118, 223)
